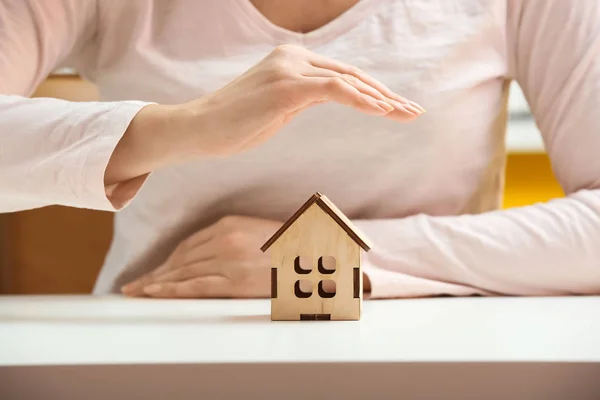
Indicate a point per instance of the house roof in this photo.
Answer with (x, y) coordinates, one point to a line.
(330, 208)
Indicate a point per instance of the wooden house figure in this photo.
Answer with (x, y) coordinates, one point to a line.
(316, 272)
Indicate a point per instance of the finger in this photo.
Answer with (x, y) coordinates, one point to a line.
(135, 287)
(365, 89)
(192, 271)
(201, 237)
(351, 79)
(195, 257)
(371, 91)
(340, 91)
(342, 68)
(208, 286)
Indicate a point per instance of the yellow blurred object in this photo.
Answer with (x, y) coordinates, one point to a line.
(529, 180)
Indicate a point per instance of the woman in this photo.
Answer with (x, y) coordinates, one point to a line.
(222, 117)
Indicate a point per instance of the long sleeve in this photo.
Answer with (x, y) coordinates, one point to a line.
(548, 248)
(53, 151)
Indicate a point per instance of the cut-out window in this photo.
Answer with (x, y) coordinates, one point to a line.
(327, 289)
(327, 265)
(303, 289)
(302, 265)
(273, 283)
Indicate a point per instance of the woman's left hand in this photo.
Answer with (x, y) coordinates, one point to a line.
(223, 260)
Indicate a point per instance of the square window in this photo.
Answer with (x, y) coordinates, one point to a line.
(327, 289)
(327, 265)
(302, 265)
(303, 289)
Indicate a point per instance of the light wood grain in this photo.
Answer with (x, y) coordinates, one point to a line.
(312, 235)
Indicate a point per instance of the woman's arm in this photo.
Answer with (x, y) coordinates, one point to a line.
(98, 154)
(543, 249)
(53, 151)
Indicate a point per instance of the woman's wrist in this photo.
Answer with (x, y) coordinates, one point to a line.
(157, 136)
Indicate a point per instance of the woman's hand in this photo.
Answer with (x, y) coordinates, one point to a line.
(249, 110)
(223, 260)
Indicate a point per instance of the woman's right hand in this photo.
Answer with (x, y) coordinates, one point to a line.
(253, 107)
(248, 111)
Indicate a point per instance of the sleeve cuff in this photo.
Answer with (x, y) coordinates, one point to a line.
(112, 126)
(387, 284)
(392, 271)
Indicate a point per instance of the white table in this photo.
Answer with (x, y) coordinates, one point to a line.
(96, 347)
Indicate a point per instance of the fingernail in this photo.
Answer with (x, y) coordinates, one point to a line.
(387, 107)
(412, 103)
(414, 109)
(404, 107)
(404, 101)
(153, 288)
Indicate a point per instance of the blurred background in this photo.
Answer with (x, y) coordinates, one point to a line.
(60, 250)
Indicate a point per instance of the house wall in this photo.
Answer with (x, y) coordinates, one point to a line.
(315, 234)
